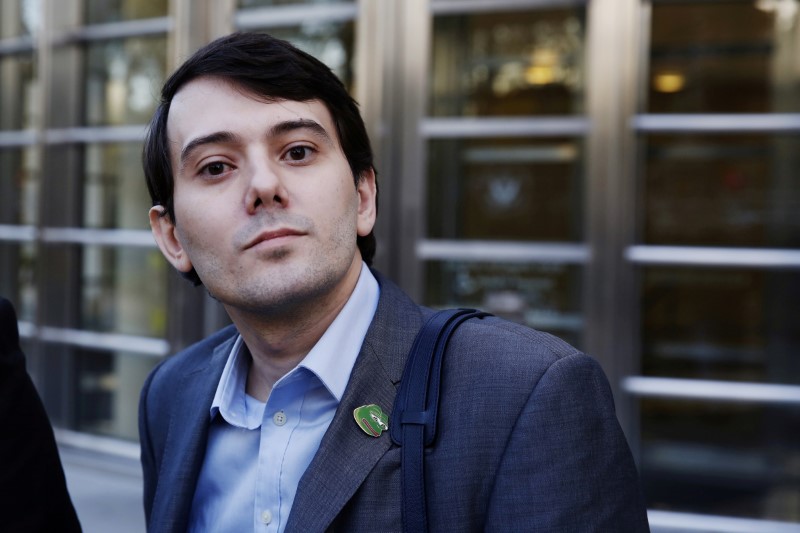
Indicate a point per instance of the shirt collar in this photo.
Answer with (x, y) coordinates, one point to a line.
(331, 359)
(334, 355)
(228, 400)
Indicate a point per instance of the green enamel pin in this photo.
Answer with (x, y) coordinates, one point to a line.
(371, 419)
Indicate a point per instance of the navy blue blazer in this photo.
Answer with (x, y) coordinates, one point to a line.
(528, 439)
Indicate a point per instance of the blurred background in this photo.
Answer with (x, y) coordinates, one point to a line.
(622, 173)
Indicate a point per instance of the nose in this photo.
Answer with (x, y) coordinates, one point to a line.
(264, 187)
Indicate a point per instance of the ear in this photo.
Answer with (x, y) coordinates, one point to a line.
(164, 232)
(367, 190)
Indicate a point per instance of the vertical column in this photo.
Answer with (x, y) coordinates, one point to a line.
(413, 52)
(192, 313)
(375, 78)
(782, 224)
(10, 159)
(60, 197)
(197, 22)
(614, 43)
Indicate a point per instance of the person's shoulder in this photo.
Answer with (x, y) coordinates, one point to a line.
(498, 346)
(498, 334)
(490, 345)
(194, 357)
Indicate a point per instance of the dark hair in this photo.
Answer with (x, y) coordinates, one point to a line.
(271, 69)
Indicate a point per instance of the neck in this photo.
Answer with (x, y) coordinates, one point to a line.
(279, 342)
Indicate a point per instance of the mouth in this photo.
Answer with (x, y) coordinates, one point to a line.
(273, 237)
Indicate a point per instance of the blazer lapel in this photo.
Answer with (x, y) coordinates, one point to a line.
(185, 446)
(346, 454)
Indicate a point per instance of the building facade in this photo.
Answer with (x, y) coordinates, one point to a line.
(622, 173)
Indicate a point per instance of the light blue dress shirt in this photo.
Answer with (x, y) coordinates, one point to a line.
(257, 452)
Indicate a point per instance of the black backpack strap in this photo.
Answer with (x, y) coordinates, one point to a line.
(416, 406)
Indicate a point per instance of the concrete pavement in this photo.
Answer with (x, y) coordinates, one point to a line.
(105, 489)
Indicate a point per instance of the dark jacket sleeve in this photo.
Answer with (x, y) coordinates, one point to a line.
(567, 465)
(149, 469)
(33, 490)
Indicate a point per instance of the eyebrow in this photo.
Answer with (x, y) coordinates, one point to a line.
(219, 137)
(281, 128)
(313, 126)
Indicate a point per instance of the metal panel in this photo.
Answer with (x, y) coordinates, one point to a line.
(15, 45)
(469, 127)
(192, 313)
(114, 30)
(672, 522)
(99, 237)
(273, 17)
(375, 79)
(111, 134)
(13, 233)
(702, 389)
(504, 252)
(146, 346)
(12, 139)
(412, 92)
(614, 39)
(710, 256)
(717, 123)
(452, 7)
(197, 22)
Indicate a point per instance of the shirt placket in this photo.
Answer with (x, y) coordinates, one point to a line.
(281, 417)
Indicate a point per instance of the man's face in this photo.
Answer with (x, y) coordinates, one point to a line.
(266, 209)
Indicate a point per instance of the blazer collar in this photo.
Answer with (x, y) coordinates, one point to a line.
(346, 454)
(186, 439)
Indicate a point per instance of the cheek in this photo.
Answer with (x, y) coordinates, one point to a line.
(333, 203)
(193, 223)
(345, 211)
(195, 204)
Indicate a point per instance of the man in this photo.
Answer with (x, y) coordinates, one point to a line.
(264, 191)
(33, 491)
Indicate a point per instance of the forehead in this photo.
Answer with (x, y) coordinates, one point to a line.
(208, 105)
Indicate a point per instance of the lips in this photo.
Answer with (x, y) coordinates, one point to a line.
(267, 236)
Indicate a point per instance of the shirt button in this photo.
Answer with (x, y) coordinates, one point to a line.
(279, 418)
(266, 517)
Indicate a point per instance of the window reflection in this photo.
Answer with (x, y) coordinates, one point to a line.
(724, 56)
(103, 11)
(722, 190)
(505, 189)
(721, 324)
(524, 63)
(19, 185)
(543, 296)
(330, 42)
(123, 290)
(17, 277)
(18, 106)
(20, 18)
(114, 194)
(123, 80)
(108, 385)
(266, 3)
(724, 459)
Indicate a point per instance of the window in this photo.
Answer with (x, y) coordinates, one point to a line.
(505, 213)
(77, 258)
(717, 256)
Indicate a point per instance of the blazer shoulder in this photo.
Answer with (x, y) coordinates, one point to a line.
(507, 342)
(495, 350)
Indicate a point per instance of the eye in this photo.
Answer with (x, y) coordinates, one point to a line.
(217, 168)
(299, 153)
